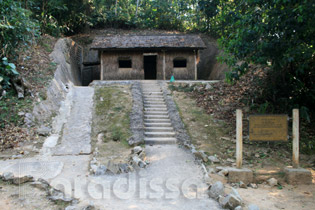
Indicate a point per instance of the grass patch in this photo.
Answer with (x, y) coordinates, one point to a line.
(112, 110)
(203, 131)
(10, 106)
(112, 107)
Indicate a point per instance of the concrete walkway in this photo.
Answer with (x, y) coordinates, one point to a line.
(172, 180)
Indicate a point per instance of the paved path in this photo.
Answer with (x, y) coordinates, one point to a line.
(172, 180)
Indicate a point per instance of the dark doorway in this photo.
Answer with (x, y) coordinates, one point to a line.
(149, 65)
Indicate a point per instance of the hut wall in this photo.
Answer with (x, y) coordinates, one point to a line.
(111, 71)
(187, 73)
(110, 66)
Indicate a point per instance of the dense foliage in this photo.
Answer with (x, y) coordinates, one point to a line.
(276, 33)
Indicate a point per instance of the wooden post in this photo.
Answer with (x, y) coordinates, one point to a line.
(196, 77)
(164, 77)
(102, 65)
(239, 138)
(296, 137)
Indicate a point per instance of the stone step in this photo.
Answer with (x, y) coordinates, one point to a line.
(152, 93)
(155, 113)
(159, 134)
(159, 129)
(158, 124)
(155, 109)
(153, 96)
(153, 99)
(164, 140)
(157, 120)
(154, 102)
(156, 117)
(155, 105)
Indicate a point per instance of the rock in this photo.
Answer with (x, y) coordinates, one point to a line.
(230, 160)
(43, 131)
(236, 175)
(43, 181)
(213, 159)
(230, 202)
(29, 119)
(93, 167)
(22, 180)
(17, 156)
(235, 192)
(252, 207)
(208, 86)
(89, 207)
(100, 137)
(71, 208)
(239, 208)
(295, 176)
(58, 196)
(201, 155)
(101, 170)
(112, 167)
(224, 172)
(124, 168)
(142, 155)
(216, 190)
(242, 185)
(7, 176)
(132, 141)
(137, 150)
(138, 162)
(211, 170)
(272, 182)
(40, 185)
(253, 185)
(21, 114)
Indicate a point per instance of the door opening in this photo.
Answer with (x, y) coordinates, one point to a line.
(149, 65)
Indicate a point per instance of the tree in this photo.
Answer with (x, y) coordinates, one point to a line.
(278, 34)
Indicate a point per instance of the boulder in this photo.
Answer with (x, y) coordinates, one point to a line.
(235, 192)
(216, 190)
(242, 185)
(272, 182)
(7, 176)
(213, 159)
(101, 170)
(58, 196)
(43, 131)
(112, 167)
(40, 185)
(137, 150)
(201, 155)
(239, 208)
(22, 180)
(230, 202)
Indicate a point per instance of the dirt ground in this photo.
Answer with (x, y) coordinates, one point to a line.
(25, 197)
(212, 136)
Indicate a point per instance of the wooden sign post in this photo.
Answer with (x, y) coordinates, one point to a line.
(296, 137)
(239, 138)
(268, 128)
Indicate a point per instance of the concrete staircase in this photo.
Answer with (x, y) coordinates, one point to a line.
(158, 127)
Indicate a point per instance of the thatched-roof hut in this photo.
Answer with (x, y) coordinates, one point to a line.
(148, 57)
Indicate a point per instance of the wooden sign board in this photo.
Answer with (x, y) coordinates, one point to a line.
(268, 127)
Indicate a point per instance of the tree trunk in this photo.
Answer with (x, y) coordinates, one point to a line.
(137, 8)
(116, 7)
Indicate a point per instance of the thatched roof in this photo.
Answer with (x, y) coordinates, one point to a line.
(146, 42)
